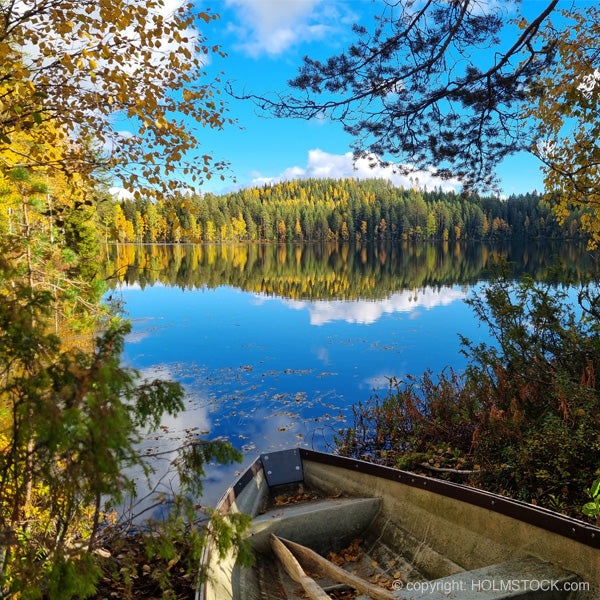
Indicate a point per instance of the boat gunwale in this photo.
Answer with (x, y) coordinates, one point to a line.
(543, 518)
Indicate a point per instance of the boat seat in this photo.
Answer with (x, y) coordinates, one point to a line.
(527, 579)
(324, 525)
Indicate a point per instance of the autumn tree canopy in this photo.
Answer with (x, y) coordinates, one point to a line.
(567, 115)
(86, 64)
(431, 84)
(71, 415)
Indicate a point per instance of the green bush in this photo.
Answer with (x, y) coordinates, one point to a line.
(72, 416)
(525, 413)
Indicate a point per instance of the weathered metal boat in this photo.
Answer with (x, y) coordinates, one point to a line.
(326, 526)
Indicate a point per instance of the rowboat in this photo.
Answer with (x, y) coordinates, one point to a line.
(326, 526)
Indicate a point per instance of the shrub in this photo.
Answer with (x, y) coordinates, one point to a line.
(526, 411)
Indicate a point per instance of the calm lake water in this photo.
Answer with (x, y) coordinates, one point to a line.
(275, 343)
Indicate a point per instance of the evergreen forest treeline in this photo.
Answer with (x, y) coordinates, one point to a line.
(328, 209)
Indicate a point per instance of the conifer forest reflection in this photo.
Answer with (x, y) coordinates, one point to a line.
(274, 343)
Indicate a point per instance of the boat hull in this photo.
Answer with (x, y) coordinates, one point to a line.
(438, 529)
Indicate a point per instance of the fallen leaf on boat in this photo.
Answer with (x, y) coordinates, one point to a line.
(350, 554)
(343, 594)
(299, 496)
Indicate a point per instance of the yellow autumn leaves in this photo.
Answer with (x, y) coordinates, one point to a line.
(566, 109)
(81, 65)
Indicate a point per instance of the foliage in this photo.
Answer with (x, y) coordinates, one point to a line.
(181, 530)
(39, 209)
(431, 84)
(417, 419)
(592, 509)
(541, 420)
(159, 561)
(567, 111)
(70, 413)
(346, 210)
(71, 424)
(70, 70)
(525, 411)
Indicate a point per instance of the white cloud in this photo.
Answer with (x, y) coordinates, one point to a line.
(273, 26)
(322, 354)
(120, 193)
(339, 166)
(377, 382)
(366, 312)
(135, 337)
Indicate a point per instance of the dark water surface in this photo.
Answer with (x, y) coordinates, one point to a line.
(275, 343)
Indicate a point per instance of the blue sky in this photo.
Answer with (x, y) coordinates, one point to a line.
(265, 41)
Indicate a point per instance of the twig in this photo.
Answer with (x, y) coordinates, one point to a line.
(448, 470)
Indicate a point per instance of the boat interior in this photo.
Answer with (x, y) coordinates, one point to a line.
(323, 528)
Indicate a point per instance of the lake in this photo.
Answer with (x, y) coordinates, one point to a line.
(275, 343)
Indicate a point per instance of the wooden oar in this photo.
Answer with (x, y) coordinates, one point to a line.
(295, 571)
(313, 561)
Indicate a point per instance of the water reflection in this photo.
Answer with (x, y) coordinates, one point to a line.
(333, 271)
(274, 344)
(369, 311)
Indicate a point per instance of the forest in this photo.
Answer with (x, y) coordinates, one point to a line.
(328, 209)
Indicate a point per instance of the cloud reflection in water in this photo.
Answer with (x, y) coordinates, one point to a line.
(367, 312)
